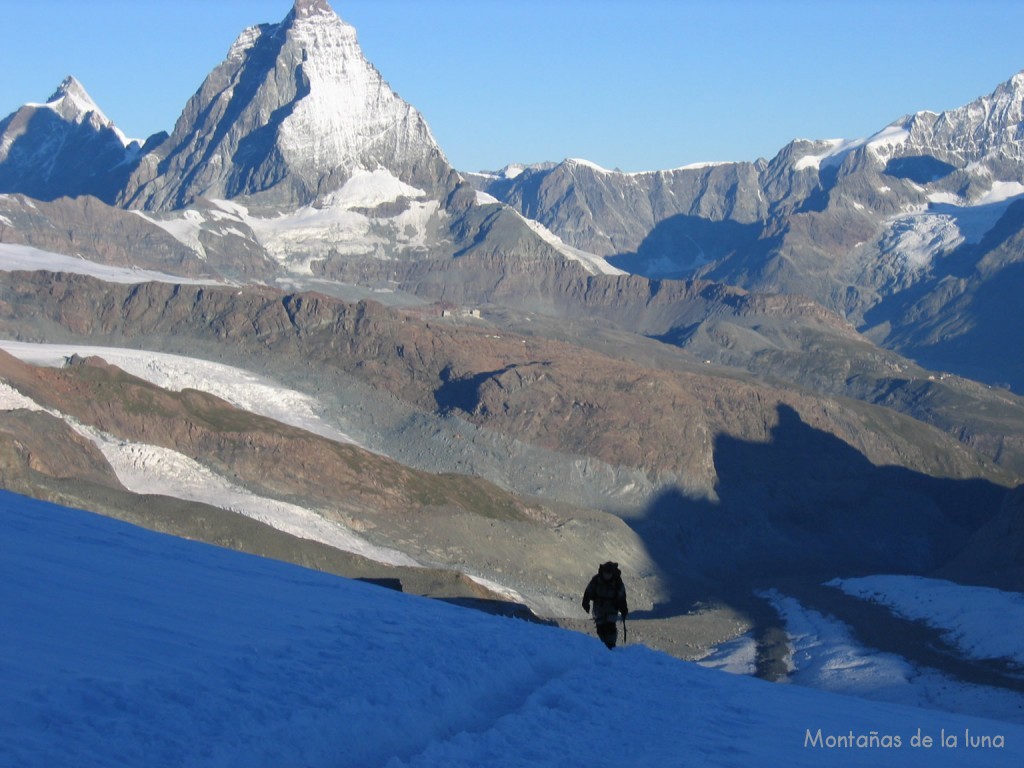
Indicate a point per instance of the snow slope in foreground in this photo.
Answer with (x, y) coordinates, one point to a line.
(122, 647)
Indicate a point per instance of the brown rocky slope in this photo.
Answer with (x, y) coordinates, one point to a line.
(876, 490)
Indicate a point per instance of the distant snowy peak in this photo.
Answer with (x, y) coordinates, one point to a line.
(984, 138)
(64, 147)
(287, 118)
(71, 102)
(990, 128)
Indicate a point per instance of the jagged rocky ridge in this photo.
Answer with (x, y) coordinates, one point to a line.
(899, 232)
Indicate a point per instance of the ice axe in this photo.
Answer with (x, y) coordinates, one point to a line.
(625, 633)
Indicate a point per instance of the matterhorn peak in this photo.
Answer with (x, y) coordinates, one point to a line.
(292, 113)
(306, 8)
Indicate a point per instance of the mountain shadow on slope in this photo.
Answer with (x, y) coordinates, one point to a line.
(973, 341)
(462, 393)
(805, 503)
(921, 169)
(678, 245)
(994, 556)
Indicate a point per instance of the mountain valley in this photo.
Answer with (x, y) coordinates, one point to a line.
(722, 377)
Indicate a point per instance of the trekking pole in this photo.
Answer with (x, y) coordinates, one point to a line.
(625, 633)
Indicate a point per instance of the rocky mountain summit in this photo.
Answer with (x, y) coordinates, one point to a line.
(289, 116)
(294, 154)
(64, 147)
(987, 131)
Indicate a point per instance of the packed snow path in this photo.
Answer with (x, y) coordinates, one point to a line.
(122, 647)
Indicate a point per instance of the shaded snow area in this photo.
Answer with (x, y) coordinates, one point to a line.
(916, 240)
(123, 647)
(737, 656)
(15, 258)
(971, 618)
(826, 656)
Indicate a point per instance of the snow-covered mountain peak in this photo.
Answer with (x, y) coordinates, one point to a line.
(1014, 87)
(1002, 109)
(988, 128)
(245, 41)
(580, 162)
(64, 147)
(307, 8)
(290, 114)
(343, 104)
(73, 103)
(71, 95)
(317, 15)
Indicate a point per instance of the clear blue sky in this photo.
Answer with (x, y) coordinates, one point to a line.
(630, 84)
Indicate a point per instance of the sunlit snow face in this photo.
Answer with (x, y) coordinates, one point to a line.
(349, 115)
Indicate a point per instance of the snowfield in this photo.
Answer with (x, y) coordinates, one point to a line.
(123, 647)
(243, 389)
(14, 258)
